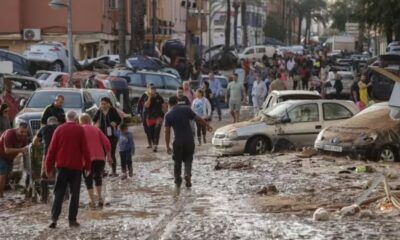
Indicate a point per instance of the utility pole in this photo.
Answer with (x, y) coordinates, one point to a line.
(122, 31)
(154, 27)
(187, 37)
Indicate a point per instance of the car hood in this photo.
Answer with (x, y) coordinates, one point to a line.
(30, 113)
(378, 122)
(242, 128)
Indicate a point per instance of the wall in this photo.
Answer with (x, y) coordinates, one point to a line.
(10, 21)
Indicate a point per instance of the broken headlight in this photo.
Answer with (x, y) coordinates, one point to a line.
(370, 138)
(232, 135)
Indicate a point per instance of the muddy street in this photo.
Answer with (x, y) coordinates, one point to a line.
(272, 196)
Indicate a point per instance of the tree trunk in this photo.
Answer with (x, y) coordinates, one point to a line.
(308, 29)
(299, 29)
(122, 31)
(389, 34)
(244, 24)
(235, 23)
(138, 11)
(228, 24)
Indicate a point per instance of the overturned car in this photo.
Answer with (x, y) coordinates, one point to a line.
(371, 134)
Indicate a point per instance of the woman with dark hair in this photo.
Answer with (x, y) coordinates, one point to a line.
(4, 118)
(108, 119)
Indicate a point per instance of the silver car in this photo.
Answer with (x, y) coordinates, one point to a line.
(297, 122)
(51, 54)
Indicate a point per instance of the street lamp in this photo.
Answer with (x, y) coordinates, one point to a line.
(59, 4)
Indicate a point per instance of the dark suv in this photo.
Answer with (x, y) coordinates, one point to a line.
(79, 100)
(21, 65)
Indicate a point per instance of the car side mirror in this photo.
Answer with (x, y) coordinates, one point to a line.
(22, 103)
(285, 119)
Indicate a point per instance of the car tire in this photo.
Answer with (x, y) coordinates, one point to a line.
(57, 66)
(387, 154)
(257, 146)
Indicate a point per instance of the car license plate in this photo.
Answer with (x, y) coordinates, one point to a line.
(333, 148)
(217, 142)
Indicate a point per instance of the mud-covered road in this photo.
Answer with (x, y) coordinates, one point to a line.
(237, 201)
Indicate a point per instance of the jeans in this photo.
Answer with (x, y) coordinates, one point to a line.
(66, 177)
(113, 141)
(126, 160)
(201, 129)
(257, 103)
(183, 153)
(249, 93)
(155, 133)
(95, 175)
(216, 104)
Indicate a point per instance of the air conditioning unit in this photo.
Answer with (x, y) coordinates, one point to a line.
(31, 34)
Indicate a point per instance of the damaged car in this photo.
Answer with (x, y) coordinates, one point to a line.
(371, 134)
(296, 122)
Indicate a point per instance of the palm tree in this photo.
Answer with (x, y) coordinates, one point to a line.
(138, 11)
(309, 10)
(228, 25)
(245, 37)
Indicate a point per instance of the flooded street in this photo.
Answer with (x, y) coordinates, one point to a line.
(272, 196)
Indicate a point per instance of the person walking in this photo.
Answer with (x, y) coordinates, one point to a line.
(250, 79)
(12, 142)
(108, 119)
(44, 135)
(236, 95)
(126, 150)
(143, 114)
(5, 122)
(154, 106)
(216, 92)
(363, 88)
(202, 107)
(277, 84)
(258, 94)
(69, 153)
(182, 99)
(187, 91)
(99, 147)
(178, 118)
(55, 109)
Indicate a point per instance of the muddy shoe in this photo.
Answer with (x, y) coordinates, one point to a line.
(124, 176)
(155, 149)
(149, 147)
(178, 182)
(92, 205)
(114, 174)
(74, 224)
(53, 225)
(204, 140)
(101, 203)
(188, 182)
(130, 173)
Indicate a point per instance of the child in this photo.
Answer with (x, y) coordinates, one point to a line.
(202, 107)
(126, 149)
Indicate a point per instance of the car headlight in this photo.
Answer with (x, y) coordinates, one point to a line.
(370, 138)
(320, 136)
(232, 135)
(18, 120)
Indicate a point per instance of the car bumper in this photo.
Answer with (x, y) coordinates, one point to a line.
(229, 147)
(363, 150)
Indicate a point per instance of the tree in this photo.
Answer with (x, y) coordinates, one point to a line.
(138, 11)
(122, 31)
(228, 24)
(274, 27)
(245, 38)
(236, 6)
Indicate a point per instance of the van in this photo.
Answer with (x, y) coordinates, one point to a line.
(257, 52)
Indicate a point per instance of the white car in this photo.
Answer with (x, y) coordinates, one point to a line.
(49, 78)
(276, 97)
(110, 60)
(296, 122)
(52, 54)
(257, 52)
(298, 49)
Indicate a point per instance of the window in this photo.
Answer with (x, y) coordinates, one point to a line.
(304, 113)
(154, 79)
(334, 111)
(171, 83)
(42, 76)
(136, 80)
(250, 51)
(261, 50)
(113, 4)
(20, 84)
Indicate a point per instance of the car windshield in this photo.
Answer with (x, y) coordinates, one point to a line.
(278, 110)
(98, 95)
(42, 99)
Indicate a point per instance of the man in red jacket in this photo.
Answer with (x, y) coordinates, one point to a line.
(68, 152)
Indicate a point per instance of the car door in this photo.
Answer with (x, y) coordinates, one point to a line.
(303, 126)
(171, 85)
(260, 52)
(334, 113)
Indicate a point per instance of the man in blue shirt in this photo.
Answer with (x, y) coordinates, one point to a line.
(216, 90)
(179, 118)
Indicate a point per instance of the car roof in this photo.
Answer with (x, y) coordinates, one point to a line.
(294, 92)
(10, 52)
(77, 90)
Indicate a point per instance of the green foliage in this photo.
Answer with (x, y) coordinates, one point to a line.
(273, 28)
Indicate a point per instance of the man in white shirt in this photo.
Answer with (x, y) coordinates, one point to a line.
(258, 94)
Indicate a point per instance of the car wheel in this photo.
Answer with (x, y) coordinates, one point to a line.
(257, 146)
(387, 154)
(57, 66)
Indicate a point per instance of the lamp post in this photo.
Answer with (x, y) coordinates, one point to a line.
(58, 4)
(153, 35)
